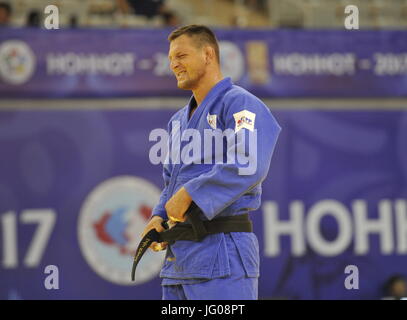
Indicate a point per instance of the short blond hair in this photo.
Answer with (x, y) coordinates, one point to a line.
(201, 33)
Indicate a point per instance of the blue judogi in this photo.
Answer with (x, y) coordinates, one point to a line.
(219, 189)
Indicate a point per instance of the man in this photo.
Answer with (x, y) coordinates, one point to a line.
(147, 8)
(395, 288)
(5, 14)
(224, 265)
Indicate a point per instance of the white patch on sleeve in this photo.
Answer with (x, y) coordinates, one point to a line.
(211, 120)
(244, 119)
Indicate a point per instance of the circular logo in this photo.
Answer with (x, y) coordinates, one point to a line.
(17, 62)
(231, 60)
(111, 220)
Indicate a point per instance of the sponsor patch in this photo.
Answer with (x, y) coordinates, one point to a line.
(211, 120)
(244, 119)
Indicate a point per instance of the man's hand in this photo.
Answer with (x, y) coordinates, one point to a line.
(178, 205)
(155, 223)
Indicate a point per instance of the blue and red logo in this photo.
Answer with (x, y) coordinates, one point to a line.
(111, 222)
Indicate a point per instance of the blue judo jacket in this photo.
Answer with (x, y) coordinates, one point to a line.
(219, 188)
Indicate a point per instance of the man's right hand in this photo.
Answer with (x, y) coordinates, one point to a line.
(155, 223)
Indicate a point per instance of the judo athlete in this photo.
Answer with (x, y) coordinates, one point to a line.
(224, 263)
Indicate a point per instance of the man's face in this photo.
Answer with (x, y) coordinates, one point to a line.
(4, 16)
(399, 288)
(187, 61)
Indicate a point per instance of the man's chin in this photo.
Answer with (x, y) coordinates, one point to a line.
(185, 85)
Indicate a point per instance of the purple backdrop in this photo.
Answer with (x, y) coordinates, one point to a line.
(82, 170)
(100, 63)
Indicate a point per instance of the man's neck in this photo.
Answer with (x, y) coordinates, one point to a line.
(201, 92)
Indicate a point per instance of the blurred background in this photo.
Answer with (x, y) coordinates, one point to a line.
(78, 104)
(300, 14)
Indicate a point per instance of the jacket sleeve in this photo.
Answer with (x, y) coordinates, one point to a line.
(243, 115)
(159, 209)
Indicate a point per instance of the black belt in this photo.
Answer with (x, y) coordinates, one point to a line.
(193, 229)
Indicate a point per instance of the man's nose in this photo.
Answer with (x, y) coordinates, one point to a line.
(174, 64)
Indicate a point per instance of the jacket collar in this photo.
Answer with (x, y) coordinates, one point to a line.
(222, 85)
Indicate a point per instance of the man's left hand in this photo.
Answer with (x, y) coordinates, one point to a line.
(178, 205)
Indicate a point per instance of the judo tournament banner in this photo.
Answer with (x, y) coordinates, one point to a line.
(118, 63)
(77, 188)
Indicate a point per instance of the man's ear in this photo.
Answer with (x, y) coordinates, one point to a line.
(209, 54)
